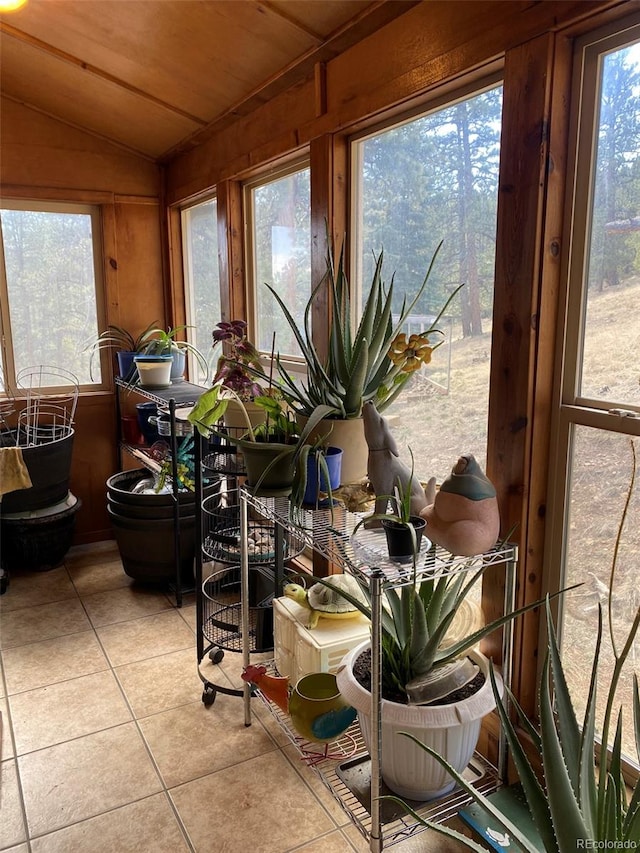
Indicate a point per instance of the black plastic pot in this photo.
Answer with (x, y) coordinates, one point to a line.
(49, 466)
(400, 542)
(146, 547)
(143, 526)
(39, 543)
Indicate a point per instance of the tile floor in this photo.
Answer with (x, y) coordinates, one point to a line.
(108, 748)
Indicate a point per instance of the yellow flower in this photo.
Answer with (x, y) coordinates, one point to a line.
(412, 354)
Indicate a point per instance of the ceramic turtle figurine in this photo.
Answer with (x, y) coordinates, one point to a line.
(320, 600)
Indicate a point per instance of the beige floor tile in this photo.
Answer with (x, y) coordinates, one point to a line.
(128, 642)
(106, 573)
(2, 690)
(121, 605)
(21, 848)
(188, 613)
(192, 740)
(58, 659)
(26, 589)
(6, 741)
(147, 826)
(334, 842)
(69, 709)
(160, 683)
(315, 783)
(83, 778)
(91, 554)
(12, 827)
(32, 624)
(275, 813)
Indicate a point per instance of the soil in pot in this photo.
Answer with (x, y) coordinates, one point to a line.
(362, 674)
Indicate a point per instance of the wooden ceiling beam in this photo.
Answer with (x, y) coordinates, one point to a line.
(369, 21)
(63, 56)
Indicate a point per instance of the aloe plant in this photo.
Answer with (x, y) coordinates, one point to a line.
(358, 367)
(415, 621)
(580, 805)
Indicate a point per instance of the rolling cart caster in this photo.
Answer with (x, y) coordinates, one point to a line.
(216, 655)
(209, 696)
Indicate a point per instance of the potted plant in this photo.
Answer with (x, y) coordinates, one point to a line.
(123, 344)
(435, 683)
(275, 451)
(579, 804)
(157, 341)
(240, 371)
(374, 363)
(403, 529)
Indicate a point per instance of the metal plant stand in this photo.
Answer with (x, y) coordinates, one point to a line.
(357, 783)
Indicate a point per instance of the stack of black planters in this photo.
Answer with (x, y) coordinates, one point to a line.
(37, 524)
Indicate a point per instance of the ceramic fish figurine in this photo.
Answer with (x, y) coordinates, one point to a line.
(463, 516)
(317, 709)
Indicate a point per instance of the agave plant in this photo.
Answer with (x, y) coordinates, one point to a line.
(359, 366)
(581, 805)
(415, 621)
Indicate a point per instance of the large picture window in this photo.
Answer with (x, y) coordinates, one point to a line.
(599, 395)
(431, 179)
(50, 278)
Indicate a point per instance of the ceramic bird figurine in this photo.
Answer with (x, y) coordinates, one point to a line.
(316, 707)
(463, 516)
(274, 687)
(321, 600)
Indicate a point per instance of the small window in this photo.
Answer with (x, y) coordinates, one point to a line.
(50, 279)
(279, 252)
(201, 279)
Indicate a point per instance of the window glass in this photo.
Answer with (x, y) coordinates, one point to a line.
(600, 477)
(434, 179)
(202, 279)
(609, 361)
(281, 240)
(600, 369)
(49, 288)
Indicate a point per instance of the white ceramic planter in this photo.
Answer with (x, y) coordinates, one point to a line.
(154, 370)
(348, 435)
(451, 730)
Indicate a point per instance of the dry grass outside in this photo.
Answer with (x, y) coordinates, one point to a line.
(439, 423)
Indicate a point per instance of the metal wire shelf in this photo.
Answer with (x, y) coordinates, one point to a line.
(329, 532)
(348, 779)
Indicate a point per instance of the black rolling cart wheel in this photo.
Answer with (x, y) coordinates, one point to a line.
(209, 695)
(216, 655)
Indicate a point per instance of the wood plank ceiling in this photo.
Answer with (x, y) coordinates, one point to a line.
(153, 75)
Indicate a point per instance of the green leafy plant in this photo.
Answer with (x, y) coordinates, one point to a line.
(580, 804)
(278, 428)
(118, 339)
(156, 341)
(375, 363)
(415, 620)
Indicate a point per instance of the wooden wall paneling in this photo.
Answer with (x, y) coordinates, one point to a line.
(231, 250)
(431, 43)
(141, 298)
(94, 460)
(523, 163)
(328, 158)
(546, 318)
(40, 152)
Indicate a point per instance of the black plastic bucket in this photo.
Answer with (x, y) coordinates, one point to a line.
(49, 466)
